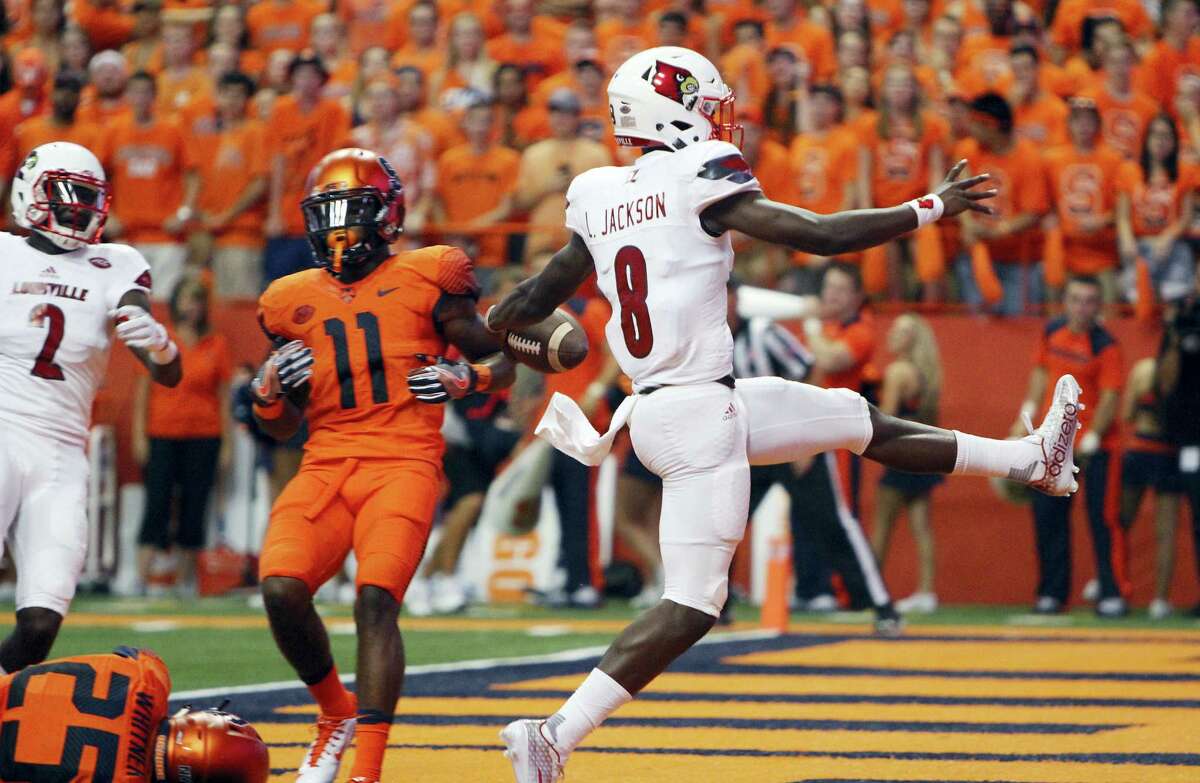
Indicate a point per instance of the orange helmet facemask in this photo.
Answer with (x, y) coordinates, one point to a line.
(209, 746)
(354, 209)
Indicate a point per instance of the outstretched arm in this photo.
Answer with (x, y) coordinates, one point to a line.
(842, 232)
(147, 339)
(535, 299)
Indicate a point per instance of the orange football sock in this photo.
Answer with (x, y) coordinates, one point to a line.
(332, 696)
(370, 740)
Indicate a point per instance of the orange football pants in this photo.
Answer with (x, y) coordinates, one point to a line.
(381, 508)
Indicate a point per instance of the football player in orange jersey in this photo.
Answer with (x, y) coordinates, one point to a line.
(51, 714)
(353, 341)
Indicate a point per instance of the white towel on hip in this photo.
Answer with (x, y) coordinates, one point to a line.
(568, 429)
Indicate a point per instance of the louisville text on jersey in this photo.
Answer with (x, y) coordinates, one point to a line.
(631, 213)
(61, 290)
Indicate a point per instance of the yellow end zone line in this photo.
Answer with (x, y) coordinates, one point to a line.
(98, 620)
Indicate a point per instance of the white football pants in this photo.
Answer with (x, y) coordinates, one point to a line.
(701, 440)
(43, 516)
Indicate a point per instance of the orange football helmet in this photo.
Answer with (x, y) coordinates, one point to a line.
(354, 208)
(210, 746)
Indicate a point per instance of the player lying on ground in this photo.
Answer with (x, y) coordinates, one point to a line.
(103, 718)
(351, 338)
(61, 291)
(656, 234)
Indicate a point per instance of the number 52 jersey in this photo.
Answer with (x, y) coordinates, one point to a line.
(364, 337)
(663, 274)
(55, 331)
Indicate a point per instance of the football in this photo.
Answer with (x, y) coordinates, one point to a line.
(556, 344)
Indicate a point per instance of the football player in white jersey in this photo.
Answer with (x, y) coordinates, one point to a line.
(656, 234)
(60, 293)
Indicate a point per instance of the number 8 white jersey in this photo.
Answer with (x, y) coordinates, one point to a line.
(663, 274)
(55, 331)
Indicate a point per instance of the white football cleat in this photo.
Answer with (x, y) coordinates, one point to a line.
(534, 758)
(324, 756)
(1056, 439)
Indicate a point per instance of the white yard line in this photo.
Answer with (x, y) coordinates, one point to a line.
(563, 656)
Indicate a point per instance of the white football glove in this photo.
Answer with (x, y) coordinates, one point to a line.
(138, 329)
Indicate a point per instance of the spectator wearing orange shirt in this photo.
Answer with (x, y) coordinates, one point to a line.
(281, 24)
(407, 147)
(901, 157)
(108, 26)
(153, 197)
(672, 29)
(28, 97)
(622, 34)
(48, 23)
(144, 50)
(1038, 116)
(75, 51)
(59, 125)
(328, 36)
(467, 62)
(538, 55)
(1020, 203)
(742, 65)
(1176, 53)
(1152, 219)
(374, 23)
(787, 76)
(183, 452)
(228, 152)
(303, 127)
(1082, 181)
(578, 44)
(518, 123)
(1067, 33)
(421, 49)
(181, 81)
(822, 163)
(1077, 343)
(474, 189)
(410, 92)
(1124, 112)
(229, 28)
(106, 103)
(789, 25)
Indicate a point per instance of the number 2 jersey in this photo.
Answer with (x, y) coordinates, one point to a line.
(661, 271)
(55, 331)
(365, 337)
(87, 719)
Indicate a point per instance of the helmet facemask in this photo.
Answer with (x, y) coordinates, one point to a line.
(69, 208)
(721, 116)
(344, 227)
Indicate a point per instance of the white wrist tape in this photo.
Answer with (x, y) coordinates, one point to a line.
(166, 355)
(928, 208)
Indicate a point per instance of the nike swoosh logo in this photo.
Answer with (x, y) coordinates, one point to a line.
(386, 291)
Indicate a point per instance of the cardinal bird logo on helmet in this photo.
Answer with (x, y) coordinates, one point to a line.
(678, 84)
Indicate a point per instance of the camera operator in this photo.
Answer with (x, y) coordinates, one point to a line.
(1178, 383)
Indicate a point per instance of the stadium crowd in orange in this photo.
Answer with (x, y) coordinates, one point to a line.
(208, 116)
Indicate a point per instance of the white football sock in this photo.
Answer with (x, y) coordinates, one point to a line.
(1018, 460)
(598, 697)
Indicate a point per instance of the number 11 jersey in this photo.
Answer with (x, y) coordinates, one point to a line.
(662, 272)
(364, 337)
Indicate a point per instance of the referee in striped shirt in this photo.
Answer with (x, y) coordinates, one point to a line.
(824, 536)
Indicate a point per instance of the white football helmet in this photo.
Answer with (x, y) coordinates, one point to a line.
(60, 192)
(670, 96)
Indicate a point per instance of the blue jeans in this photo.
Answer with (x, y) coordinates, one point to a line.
(1172, 277)
(284, 255)
(1022, 283)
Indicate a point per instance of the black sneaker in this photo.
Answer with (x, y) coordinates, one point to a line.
(888, 622)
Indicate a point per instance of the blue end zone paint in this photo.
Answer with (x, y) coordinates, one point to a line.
(713, 659)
